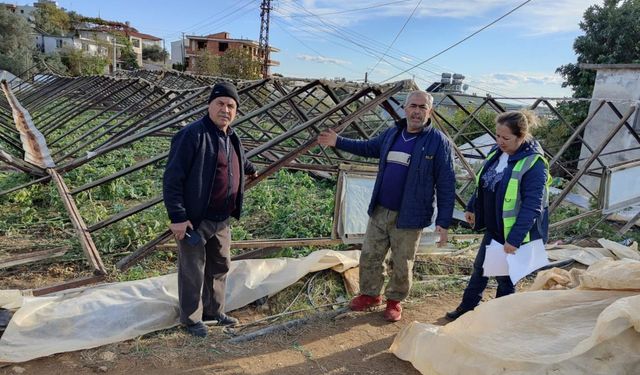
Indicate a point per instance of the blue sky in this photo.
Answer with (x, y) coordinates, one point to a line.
(335, 38)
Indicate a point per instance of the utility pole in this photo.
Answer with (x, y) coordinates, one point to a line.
(115, 62)
(164, 55)
(264, 36)
(184, 64)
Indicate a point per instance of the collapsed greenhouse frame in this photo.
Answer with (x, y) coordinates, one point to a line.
(278, 121)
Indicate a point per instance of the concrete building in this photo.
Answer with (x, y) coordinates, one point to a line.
(177, 52)
(216, 44)
(25, 11)
(147, 39)
(53, 43)
(619, 83)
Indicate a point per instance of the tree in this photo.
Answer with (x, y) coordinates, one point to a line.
(612, 36)
(16, 55)
(234, 63)
(127, 55)
(206, 64)
(53, 61)
(79, 63)
(52, 20)
(239, 63)
(154, 53)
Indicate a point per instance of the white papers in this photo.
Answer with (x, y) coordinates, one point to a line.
(495, 260)
(528, 258)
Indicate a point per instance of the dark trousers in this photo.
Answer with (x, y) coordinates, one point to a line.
(478, 283)
(202, 272)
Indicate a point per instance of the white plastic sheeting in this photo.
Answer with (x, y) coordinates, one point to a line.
(543, 332)
(92, 316)
(353, 217)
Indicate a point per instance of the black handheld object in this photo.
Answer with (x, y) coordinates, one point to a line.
(192, 237)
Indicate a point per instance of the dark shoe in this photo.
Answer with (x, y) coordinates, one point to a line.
(223, 320)
(455, 314)
(197, 329)
(393, 312)
(364, 302)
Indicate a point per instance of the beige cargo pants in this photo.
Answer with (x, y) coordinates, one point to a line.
(382, 235)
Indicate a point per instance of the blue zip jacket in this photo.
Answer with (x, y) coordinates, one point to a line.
(430, 173)
(532, 217)
(190, 171)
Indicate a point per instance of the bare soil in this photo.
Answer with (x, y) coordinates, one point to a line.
(355, 343)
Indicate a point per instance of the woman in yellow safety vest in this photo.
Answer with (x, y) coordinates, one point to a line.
(510, 201)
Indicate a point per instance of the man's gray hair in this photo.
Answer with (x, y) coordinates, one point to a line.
(419, 92)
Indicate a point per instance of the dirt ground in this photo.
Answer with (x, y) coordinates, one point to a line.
(355, 343)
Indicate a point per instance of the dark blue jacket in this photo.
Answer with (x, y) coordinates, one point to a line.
(532, 217)
(190, 171)
(430, 171)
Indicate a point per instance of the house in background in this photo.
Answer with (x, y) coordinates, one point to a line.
(25, 11)
(216, 44)
(147, 39)
(47, 44)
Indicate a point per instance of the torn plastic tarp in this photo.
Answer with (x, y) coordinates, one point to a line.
(542, 332)
(92, 316)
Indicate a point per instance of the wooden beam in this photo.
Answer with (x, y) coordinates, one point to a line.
(68, 285)
(86, 241)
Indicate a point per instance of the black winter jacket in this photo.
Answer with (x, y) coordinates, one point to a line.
(190, 171)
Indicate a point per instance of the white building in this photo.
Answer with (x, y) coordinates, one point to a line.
(177, 52)
(52, 43)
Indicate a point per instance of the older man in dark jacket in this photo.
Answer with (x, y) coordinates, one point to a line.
(415, 165)
(203, 187)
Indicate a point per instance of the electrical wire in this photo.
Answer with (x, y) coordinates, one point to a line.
(460, 41)
(397, 35)
(350, 10)
(344, 33)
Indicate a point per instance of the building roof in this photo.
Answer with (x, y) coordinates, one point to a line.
(129, 32)
(609, 66)
(216, 39)
(144, 36)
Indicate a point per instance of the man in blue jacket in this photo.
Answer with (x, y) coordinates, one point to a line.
(203, 187)
(415, 165)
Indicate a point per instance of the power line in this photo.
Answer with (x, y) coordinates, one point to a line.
(344, 34)
(222, 20)
(277, 23)
(372, 48)
(397, 35)
(348, 10)
(461, 41)
(217, 16)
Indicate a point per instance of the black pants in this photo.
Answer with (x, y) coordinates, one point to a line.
(478, 283)
(202, 272)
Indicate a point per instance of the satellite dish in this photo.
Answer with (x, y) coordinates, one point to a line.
(465, 87)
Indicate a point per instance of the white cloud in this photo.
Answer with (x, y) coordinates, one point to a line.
(525, 77)
(536, 17)
(322, 59)
(519, 84)
(406, 59)
(522, 82)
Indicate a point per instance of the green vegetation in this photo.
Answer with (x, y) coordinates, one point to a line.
(593, 226)
(15, 41)
(154, 53)
(611, 35)
(80, 63)
(52, 20)
(127, 55)
(234, 63)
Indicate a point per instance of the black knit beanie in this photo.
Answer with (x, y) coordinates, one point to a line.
(224, 89)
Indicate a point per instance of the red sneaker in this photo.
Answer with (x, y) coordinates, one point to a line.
(393, 312)
(364, 302)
